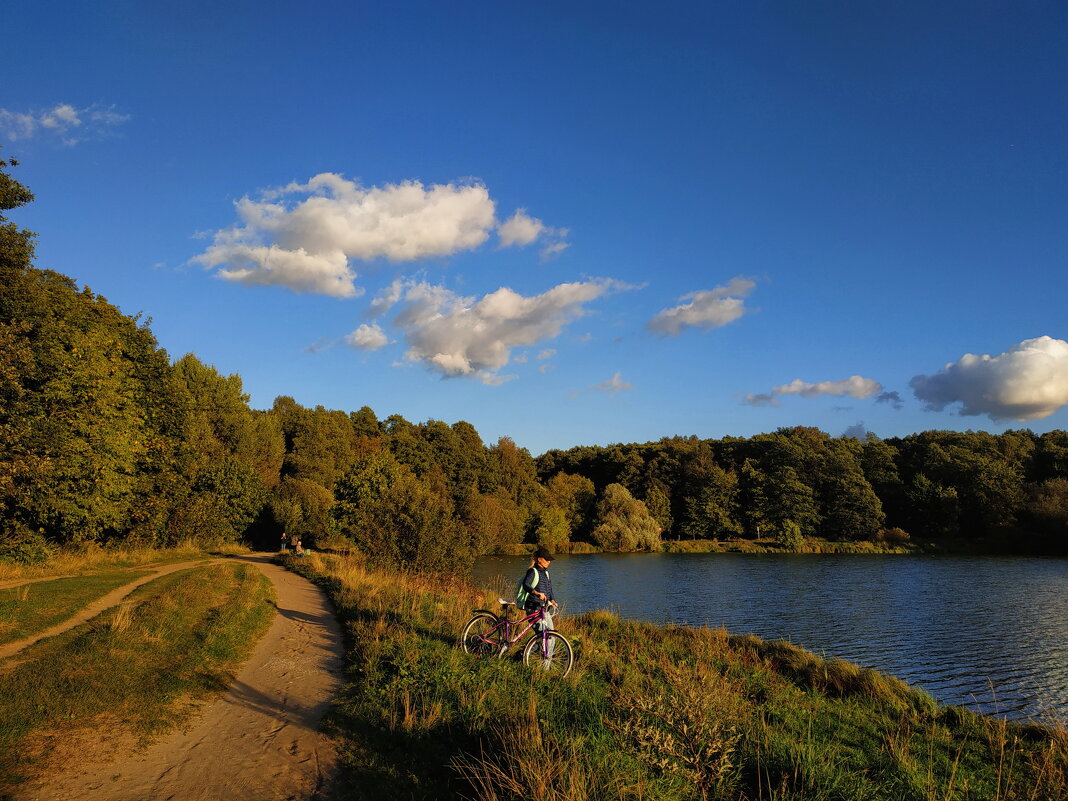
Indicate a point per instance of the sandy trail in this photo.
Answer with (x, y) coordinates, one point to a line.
(101, 604)
(259, 741)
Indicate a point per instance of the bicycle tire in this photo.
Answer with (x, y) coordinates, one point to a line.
(563, 655)
(479, 638)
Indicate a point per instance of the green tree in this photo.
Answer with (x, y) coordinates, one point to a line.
(711, 498)
(396, 521)
(658, 502)
(772, 500)
(491, 520)
(624, 523)
(851, 509)
(550, 527)
(303, 507)
(1048, 515)
(576, 496)
(935, 508)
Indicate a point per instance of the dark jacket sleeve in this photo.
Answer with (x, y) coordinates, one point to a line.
(529, 577)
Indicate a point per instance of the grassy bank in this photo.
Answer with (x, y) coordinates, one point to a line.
(132, 672)
(649, 712)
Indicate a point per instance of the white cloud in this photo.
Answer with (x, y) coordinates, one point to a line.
(855, 387)
(547, 353)
(367, 337)
(320, 226)
(460, 336)
(705, 309)
(325, 273)
(553, 249)
(62, 121)
(385, 300)
(61, 117)
(612, 385)
(521, 230)
(1029, 381)
(15, 125)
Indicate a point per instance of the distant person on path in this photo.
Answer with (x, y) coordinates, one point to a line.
(284, 535)
(293, 540)
(540, 588)
(298, 549)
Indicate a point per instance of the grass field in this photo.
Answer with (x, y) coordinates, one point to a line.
(32, 608)
(95, 559)
(657, 713)
(133, 671)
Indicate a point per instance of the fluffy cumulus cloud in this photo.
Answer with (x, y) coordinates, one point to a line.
(521, 230)
(306, 236)
(1029, 381)
(367, 337)
(855, 387)
(463, 336)
(613, 385)
(68, 124)
(705, 309)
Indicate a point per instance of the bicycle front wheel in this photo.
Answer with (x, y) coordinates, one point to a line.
(482, 637)
(560, 654)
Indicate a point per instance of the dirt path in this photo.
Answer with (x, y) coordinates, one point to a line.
(101, 604)
(259, 741)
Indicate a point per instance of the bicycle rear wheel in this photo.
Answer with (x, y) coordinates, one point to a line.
(481, 636)
(561, 655)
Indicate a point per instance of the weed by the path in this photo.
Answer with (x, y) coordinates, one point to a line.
(31, 608)
(649, 712)
(177, 638)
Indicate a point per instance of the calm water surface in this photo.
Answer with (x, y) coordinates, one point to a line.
(989, 633)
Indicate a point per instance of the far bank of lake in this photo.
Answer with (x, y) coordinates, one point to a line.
(989, 633)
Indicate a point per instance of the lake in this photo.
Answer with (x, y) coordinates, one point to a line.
(988, 633)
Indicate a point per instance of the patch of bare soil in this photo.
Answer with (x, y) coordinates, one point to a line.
(258, 741)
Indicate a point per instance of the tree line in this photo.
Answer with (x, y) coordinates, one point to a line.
(1004, 491)
(104, 438)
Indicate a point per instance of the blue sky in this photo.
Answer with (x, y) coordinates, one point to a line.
(570, 223)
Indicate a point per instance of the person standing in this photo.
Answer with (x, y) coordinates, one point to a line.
(539, 589)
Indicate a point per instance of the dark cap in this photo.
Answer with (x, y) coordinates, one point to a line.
(543, 553)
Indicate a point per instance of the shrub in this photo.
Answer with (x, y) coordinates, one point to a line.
(790, 537)
(20, 544)
(895, 536)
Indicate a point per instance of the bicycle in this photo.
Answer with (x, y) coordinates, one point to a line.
(490, 635)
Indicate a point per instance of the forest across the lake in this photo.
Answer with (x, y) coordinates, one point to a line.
(104, 439)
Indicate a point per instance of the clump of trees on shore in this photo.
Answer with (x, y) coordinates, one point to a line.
(104, 438)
